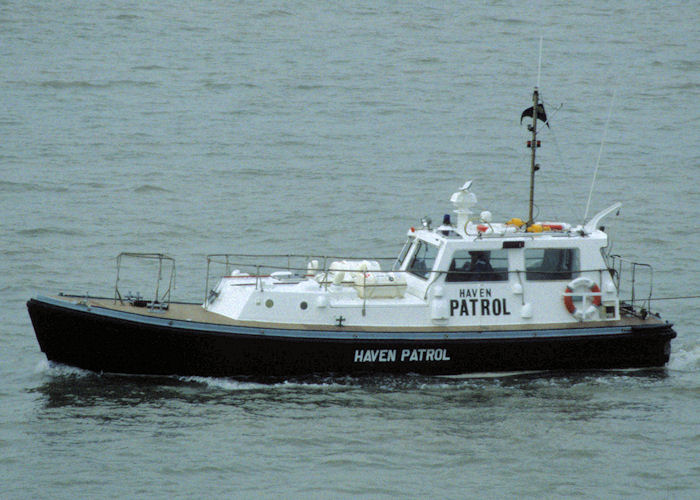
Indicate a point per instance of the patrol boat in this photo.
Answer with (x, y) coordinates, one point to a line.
(470, 295)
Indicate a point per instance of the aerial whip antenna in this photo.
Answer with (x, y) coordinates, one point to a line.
(600, 152)
(539, 63)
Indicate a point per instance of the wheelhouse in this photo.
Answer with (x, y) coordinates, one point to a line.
(478, 272)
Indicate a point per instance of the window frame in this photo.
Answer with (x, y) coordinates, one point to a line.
(404, 253)
(414, 255)
(532, 273)
(495, 275)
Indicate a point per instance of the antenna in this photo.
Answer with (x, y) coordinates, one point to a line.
(600, 152)
(539, 64)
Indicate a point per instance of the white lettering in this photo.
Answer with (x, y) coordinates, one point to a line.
(375, 355)
(389, 355)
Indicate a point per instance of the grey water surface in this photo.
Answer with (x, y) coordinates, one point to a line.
(332, 127)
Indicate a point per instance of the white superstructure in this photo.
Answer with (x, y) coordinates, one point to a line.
(475, 273)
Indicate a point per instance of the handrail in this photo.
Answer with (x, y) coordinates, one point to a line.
(326, 268)
(243, 261)
(288, 256)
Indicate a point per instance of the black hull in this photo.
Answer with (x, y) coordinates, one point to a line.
(94, 339)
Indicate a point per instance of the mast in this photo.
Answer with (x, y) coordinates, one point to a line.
(534, 167)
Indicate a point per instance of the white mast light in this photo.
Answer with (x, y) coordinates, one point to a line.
(463, 200)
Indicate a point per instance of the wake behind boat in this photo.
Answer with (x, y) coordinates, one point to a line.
(470, 295)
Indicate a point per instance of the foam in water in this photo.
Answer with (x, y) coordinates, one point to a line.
(685, 359)
(56, 369)
(229, 384)
(223, 383)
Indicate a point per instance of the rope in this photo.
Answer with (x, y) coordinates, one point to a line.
(668, 298)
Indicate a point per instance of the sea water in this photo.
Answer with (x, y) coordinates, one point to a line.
(331, 128)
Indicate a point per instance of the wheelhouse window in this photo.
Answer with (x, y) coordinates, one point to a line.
(489, 265)
(403, 254)
(551, 263)
(423, 259)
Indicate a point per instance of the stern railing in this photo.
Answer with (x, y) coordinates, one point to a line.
(634, 280)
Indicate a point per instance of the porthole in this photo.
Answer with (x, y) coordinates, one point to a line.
(303, 305)
(269, 303)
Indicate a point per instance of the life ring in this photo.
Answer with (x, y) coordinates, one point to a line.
(569, 301)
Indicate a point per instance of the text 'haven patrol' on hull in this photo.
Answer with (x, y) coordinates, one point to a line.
(471, 295)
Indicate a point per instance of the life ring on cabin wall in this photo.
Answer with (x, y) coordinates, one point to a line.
(595, 294)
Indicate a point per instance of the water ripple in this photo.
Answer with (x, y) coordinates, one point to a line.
(48, 231)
